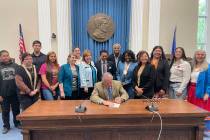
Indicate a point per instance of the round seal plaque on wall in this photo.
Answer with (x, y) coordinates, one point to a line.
(100, 27)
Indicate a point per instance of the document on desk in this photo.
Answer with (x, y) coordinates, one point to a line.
(114, 105)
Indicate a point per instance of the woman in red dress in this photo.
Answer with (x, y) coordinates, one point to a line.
(199, 88)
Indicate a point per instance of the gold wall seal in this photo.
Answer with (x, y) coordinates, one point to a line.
(100, 27)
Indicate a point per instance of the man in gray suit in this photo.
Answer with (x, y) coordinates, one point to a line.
(108, 91)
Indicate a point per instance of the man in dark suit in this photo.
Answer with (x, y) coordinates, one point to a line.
(116, 56)
(103, 65)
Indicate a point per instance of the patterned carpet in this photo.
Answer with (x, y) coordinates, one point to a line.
(14, 133)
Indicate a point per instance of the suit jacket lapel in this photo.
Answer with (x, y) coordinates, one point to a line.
(100, 69)
(160, 64)
(145, 70)
(108, 66)
(99, 65)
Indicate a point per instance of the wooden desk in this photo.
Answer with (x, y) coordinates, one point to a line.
(56, 120)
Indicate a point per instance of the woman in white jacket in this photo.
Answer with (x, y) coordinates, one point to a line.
(180, 71)
(88, 76)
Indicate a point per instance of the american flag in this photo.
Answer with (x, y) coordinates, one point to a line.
(22, 47)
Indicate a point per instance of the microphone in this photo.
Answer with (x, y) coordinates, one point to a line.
(151, 107)
(80, 108)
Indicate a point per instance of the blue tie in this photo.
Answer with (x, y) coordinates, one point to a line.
(110, 93)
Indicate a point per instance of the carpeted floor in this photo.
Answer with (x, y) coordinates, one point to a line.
(14, 133)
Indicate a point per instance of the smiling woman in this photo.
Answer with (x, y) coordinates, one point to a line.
(158, 60)
(27, 81)
(68, 78)
(40, 18)
(49, 74)
(143, 77)
(180, 71)
(139, 25)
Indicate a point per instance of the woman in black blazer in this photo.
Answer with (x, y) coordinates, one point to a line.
(158, 60)
(144, 74)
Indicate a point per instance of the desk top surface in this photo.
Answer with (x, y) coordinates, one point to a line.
(61, 109)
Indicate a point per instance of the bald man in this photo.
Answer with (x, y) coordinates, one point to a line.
(108, 91)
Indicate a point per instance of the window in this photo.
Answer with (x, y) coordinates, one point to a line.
(202, 25)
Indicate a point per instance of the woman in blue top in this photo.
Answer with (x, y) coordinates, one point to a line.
(68, 78)
(88, 75)
(199, 87)
(125, 71)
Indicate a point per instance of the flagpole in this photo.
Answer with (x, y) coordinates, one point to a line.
(173, 47)
(22, 47)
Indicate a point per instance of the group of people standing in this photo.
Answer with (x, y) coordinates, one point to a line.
(137, 77)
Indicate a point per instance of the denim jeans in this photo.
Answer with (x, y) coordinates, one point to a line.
(173, 87)
(47, 94)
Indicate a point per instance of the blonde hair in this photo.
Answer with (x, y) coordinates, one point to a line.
(204, 65)
(86, 53)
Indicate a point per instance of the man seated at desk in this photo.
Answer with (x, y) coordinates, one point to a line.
(108, 91)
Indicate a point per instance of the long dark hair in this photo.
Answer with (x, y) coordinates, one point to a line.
(49, 74)
(48, 59)
(140, 55)
(182, 57)
(163, 56)
(130, 53)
